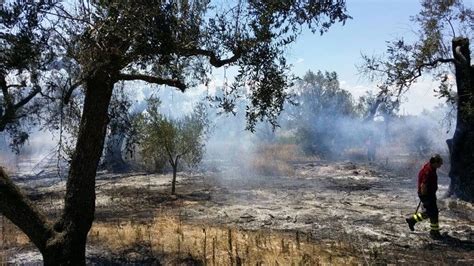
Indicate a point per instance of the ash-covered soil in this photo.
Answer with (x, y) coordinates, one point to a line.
(360, 205)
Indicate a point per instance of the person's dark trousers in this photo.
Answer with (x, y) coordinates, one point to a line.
(430, 210)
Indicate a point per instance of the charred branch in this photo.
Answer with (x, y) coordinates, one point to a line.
(417, 72)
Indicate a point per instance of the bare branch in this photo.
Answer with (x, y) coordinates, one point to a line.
(433, 63)
(6, 95)
(156, 80)
(15, 86)
(437, 61)
(171, 158)
(67, 16)
(451, 26)
(416, 73)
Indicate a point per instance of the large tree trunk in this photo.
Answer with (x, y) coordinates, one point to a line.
(64, 242)
(80, 188)
(461, 146)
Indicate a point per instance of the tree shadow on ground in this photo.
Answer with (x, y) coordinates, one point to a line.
(452, 243)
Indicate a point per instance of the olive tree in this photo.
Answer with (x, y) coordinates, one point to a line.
(171, 43)
(442, 50)
(25, 57)
(173, 140)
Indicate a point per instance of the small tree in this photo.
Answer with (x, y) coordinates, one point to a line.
(176, 140)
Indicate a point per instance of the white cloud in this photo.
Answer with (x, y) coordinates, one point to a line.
(421, 96)
(357, 90)
(299, 60)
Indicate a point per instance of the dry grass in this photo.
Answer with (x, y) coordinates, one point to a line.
(276, 159)
(217, 245)
(10, 237)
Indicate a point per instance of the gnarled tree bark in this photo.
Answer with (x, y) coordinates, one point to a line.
(461, 146)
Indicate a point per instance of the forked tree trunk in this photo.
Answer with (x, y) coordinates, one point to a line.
(64, 242)
(174, 164)
(79, 206)
(461, 146)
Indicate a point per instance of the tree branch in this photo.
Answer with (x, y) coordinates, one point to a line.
(416, 73)
(151, 79)
(176, 160)
(6, 95)
(213, 58)
(436, 61)
(25, 100)
(8, 115)
(68, 94)
(21, 211)
(15, 86)
(170, 155)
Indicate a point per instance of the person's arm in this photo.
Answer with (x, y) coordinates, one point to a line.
(423, 176)
(423, 189)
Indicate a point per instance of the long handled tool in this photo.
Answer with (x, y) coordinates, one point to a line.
(419, 203)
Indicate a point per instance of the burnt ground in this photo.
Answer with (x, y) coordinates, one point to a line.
(357, 204)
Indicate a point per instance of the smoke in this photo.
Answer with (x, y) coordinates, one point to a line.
(330, 134)
(39, 150)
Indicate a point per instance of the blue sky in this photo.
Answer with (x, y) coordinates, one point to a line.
(374, 22)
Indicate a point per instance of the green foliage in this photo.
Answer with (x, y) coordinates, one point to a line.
(167, 140)
(178, 42)
(174, 43)
(24, 55)
(320, 105)
(439, 21)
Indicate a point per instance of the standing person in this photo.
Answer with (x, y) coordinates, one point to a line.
(371, 147)
(427, 186)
